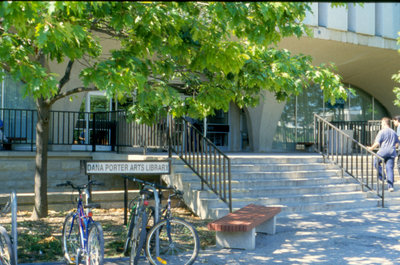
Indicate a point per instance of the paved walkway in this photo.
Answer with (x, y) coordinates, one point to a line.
(358, 237)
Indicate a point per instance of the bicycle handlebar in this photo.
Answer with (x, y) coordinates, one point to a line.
(158, 186)
(79, 187)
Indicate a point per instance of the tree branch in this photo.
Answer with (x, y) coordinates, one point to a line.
(6, 67)
(108, 31)
(71, 92)
(66, 76)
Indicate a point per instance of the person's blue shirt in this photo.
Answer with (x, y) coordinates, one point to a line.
(387, 139)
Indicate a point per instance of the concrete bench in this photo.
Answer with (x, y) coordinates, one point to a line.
(238, 229)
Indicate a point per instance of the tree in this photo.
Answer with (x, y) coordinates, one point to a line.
(396, 78)
(219, 52)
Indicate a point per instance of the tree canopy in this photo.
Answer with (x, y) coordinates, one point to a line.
(396, 78)
(217, 52)
(181, 58)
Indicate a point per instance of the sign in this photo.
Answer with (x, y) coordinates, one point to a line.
(145, 167)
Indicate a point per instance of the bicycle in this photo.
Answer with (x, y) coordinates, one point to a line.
(141, 215)
(82, 237)
(6, 247)
(171, 240)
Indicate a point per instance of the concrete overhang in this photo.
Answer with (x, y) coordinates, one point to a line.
(367, 62)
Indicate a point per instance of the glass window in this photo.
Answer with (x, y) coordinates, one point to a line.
(17, 112)
(296, 123)
(14, 95)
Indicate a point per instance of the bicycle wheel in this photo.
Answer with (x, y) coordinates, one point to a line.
(178, 242)
(131, 225)
(95, 245)
(6, 249)
(71, 238)
(138, 238)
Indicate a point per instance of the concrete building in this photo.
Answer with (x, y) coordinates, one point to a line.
(360, 41)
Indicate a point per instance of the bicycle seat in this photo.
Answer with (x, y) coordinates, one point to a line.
(92, 205)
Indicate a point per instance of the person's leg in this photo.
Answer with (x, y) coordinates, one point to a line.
(398, 163)
(390, 171)
(378, 166)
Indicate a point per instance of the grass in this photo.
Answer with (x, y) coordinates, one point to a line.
(40, 241)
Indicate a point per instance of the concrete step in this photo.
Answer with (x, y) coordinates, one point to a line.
(295, 183)
(295, 198)
(278, 159)
(266, 159)
(280, 183)
(288, 209)
(266, 167)
(250, 174)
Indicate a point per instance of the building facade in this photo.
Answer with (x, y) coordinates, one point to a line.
(360, 40)
(362, 43)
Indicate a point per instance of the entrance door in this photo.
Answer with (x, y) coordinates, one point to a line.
(218, 129)
(96, 120)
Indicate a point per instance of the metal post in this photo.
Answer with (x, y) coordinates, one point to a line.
(169, 132)
(125, 201)
(94, 137)
(14, 225)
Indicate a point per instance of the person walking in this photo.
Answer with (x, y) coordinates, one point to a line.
(387, 141)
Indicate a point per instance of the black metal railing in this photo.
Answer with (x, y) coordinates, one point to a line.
(19, 127)
(363, 131)
(114, 129)
(208, 162)
(132, 134)
(352, 156)
(83, 128)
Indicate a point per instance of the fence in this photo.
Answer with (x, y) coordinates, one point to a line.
(82, 128)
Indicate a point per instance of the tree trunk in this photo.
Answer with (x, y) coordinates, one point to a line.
(40, 209)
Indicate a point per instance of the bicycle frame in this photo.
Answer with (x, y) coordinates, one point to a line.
(84, 221)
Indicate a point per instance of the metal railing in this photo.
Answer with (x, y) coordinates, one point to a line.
(209, 163)
(363, 131)
(132, 134)
(83, 128)
(115, 130)
(11, 205)
(350, 155)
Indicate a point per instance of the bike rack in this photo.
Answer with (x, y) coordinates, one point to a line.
(156, 217)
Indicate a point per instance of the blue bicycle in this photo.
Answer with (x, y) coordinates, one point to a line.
(82, 238)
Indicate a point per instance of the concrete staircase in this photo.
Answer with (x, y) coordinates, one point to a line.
(297, 183)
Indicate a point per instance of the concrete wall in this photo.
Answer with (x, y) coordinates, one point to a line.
(18, 170)
(74, 102)
(374, 19)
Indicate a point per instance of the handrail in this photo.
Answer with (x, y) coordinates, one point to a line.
(353, 157)
(203, 157)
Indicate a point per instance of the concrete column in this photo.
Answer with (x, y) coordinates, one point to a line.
(263, 122)
(387, 20)
(333, 18)
(312, 17)
(234, 128)
(361, 19)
